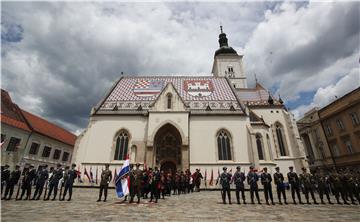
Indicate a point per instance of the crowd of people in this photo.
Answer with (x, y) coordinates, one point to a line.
(342, 183)
(154, 184)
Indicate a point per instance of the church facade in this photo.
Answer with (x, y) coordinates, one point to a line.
(190, 122)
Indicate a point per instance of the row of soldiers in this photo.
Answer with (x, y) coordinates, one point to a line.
(154, 182)
(51, 180)
(345, 184)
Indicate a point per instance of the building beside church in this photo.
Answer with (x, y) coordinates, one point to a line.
(189, 122)
(27, 138)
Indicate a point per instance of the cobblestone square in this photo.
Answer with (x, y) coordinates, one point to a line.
(202, 206)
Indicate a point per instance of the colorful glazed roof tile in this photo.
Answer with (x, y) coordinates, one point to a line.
(257, 96)
(197, 93)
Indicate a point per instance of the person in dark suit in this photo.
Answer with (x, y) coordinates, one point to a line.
(225, 181)
(13, 180)
(69, 178)
(54, 181)
(266, 182)
(42, 176)
(29, 176)
(238, 179)
(5, 176)
(294, 184)
(252, 179)
(280, 186)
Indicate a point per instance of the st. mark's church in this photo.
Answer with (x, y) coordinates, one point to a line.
(190, 122)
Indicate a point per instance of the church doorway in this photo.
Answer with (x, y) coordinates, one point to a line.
(167, 145)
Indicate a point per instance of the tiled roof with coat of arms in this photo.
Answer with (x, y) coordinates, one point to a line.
(198, 93)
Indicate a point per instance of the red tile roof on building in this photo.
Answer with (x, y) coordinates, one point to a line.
(12, 115)
(51, 130)
(197, 92)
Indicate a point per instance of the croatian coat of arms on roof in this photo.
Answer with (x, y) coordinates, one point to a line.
(198, 88)
(148, 87)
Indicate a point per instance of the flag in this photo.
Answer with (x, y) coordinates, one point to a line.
(96, 179)
(211, 177)
(205, 177)
(91, 176)
(122, 182)
(87, 175)
(2, 143)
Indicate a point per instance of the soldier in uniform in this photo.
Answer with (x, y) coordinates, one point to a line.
(54, 181)
(137, 174)
(42, 176)
(69, 178)
(238, 179)
(154, 185)
(13, 180)
(336, 184)
(348, 185)
(225, 181)
(307, 181)
(106, 177)
(197, 180)
(266, 180)
(322, 183)
(5, 176)
(280, 187)
(29, 176)
(294, 184)
(252, 179)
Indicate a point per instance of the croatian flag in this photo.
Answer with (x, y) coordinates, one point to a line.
(122, 182)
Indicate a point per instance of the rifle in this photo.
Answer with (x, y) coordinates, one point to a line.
(61, 185)
(19, 184)
(46, 186)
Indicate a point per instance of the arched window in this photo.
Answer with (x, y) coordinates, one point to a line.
(280, 139)
(224, 145)
(121, 148)
(169, 98)
(259, 146)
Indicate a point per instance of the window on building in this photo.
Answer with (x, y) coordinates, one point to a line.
(13, 144)
(65, 156)
(57, 154)
(340, 124)
(328, 130)
(46, 152)
(230, 69)
(349, 146)
(34, 149)
(224, 145)
(354, 119)
(3, 136)
(280, 140)
(169, 101)
(259, 146)
(121, 148)
(335, 150)
(321, 151)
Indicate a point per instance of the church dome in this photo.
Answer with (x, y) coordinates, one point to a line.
(224, 47)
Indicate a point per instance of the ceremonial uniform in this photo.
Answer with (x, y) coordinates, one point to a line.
(280, 186)
(54, 182)
(252, 179)
(42, 176)
(13, 180)
(295, 186)
(5, 176)
(239, 179)
(69, 178)
(136, 186)
(29, 176)
(225, 181)
(322, 183)
(154, 185)
(348, 186)
(266, 182)
(106, 177)
(337, 188)
(307, 181)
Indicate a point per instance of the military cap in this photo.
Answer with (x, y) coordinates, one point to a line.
(31, 165)
(251, 167)
(277, 168)
(74, 165)
(291, 167)
(67, 167)
(45, 165)
(224, 168)
(59, 164)
(303, 168)
(150, 168)
(6, 165)
(106, 164)
(17, 166)
(265, 168)
(238, 167)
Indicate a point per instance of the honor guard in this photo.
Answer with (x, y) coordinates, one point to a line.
(42, 176)
(238, 179)
(54, 181)
(280, 186)
(154, 185)
(336, 184)
(29, 176)
(5, 176)
(322, 182)
(225, 181)
(266, 180)
(69, 178)
(13, 180)
(294, 184)
(252, 179)
(106, 177)
(136, 186)
(307, 181)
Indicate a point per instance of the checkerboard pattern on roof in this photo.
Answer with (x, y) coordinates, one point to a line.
(123, 96)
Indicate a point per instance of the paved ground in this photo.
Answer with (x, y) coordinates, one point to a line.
(203, 206)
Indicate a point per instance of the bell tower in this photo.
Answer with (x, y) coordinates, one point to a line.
(227, 63)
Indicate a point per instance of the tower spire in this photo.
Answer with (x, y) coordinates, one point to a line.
(221, 29)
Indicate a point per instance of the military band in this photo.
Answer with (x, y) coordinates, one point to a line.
(343, 184)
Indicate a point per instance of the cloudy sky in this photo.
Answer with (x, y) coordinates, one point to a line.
(60, 59)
